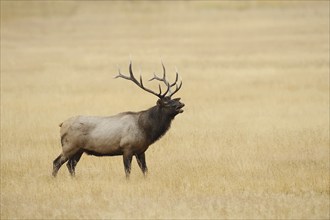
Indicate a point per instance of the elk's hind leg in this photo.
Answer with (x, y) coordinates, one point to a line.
(72, 163)
(57, 163)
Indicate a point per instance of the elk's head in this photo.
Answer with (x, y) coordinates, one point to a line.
(170, 106)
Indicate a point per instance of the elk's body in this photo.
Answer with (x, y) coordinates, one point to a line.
(128, 133)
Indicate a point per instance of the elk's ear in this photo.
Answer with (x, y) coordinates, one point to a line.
(159, 102)
(177, 99)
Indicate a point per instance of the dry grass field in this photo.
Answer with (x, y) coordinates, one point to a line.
(253, 142)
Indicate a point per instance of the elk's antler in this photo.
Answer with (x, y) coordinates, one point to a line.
(169, 86)
(140, 84)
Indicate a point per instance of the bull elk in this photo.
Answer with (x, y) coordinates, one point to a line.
(128, 133)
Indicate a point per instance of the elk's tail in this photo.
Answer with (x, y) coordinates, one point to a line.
(63, 139)
(62, 136)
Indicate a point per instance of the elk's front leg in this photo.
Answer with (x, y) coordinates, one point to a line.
(141, 159)
(127, 158)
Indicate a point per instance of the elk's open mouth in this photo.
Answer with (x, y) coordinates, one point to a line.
(179, 108)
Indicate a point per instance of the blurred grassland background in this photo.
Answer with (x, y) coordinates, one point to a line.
(253, 141)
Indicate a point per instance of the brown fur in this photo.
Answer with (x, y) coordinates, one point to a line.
(128, 133)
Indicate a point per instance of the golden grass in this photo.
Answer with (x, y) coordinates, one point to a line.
(253, 141)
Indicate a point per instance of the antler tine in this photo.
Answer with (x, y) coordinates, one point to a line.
(160, 89)
(163, 79)
(155, 77)
(131, 72)
(158, 78)
(176, 79)
(177, 88)
(139, 84)
(174, 84)
(164, 71)
(168, 84)
(121, 75)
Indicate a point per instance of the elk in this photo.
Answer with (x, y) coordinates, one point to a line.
(128, 134)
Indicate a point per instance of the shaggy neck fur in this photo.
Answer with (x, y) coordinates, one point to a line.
(155, 123)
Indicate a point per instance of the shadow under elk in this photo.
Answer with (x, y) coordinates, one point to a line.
(128, 133)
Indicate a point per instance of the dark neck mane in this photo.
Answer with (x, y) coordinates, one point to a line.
(155, 123)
